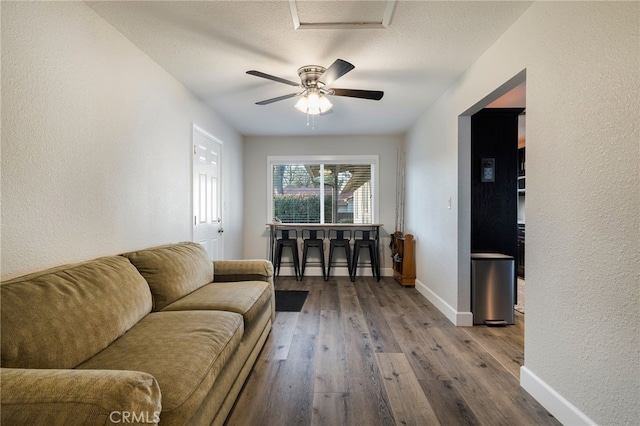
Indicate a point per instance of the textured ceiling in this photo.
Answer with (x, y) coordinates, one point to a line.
(209, 46)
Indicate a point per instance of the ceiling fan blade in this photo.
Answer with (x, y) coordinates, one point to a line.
(374, 95)
(273, 77)
(279, 98)
(335, 71)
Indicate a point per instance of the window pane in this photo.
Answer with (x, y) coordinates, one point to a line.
(296, 193)
(215, 212)
(202, 200)
(347, 193)
(300, 191)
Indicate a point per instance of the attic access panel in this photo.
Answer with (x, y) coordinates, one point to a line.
(341, 14)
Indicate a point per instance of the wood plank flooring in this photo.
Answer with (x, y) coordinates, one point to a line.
(375, 353)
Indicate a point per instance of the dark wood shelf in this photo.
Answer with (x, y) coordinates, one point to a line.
(403, 259)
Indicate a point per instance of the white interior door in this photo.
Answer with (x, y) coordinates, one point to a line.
(207, 194)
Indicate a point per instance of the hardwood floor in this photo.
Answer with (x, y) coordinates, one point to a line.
(369, 353)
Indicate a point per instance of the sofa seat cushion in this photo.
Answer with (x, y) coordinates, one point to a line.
(173, 270)
(247, 298)
(61, 317)
(184, 350)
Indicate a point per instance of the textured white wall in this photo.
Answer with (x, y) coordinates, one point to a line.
(257, 149)
(431, 180)
(96, 142)
(582, 69)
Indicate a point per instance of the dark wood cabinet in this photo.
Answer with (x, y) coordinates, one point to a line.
(522, 176)
(522, 172)
(520, 257)
(403, 258)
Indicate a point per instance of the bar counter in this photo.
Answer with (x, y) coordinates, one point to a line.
(274, 226)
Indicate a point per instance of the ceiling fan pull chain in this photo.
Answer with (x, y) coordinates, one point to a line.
(313, 121)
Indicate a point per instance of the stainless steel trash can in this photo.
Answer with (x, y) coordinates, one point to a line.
(492, 288)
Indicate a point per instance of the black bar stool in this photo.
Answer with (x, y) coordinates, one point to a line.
(363, 239)
(339, 238)
(287, 238)
(313, 238)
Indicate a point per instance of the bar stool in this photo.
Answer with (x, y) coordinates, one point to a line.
(339, 238)
(287, 238)
(362, 239)
(313, 238)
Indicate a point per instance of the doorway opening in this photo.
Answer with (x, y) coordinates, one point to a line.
(510, 95)
(509, 99)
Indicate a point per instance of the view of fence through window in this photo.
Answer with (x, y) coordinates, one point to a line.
(322, 193)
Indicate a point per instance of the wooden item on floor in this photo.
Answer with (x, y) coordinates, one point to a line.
(403, 257)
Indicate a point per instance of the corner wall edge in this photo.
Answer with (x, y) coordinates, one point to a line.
(459, 319)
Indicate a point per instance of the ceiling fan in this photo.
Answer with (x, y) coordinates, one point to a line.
(314, 82)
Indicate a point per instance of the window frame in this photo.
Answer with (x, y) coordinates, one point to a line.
(372, 160)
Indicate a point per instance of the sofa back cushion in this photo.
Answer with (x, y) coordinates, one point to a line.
(173, 270)
(63, 316)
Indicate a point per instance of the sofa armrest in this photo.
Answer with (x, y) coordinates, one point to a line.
(242, 270)
(63, 397)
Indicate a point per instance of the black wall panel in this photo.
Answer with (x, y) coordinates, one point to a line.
(494, 205)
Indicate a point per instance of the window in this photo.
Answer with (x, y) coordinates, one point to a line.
(336, 189)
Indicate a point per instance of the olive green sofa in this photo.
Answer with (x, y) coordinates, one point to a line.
(161, 335)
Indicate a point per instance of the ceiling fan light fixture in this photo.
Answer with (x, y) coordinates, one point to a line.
(313, 103)
(314, 82)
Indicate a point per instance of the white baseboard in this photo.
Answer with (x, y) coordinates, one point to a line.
(460, 319)
(556, 404)
(386, 272)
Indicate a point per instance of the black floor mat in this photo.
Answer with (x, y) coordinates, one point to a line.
(290, 300)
